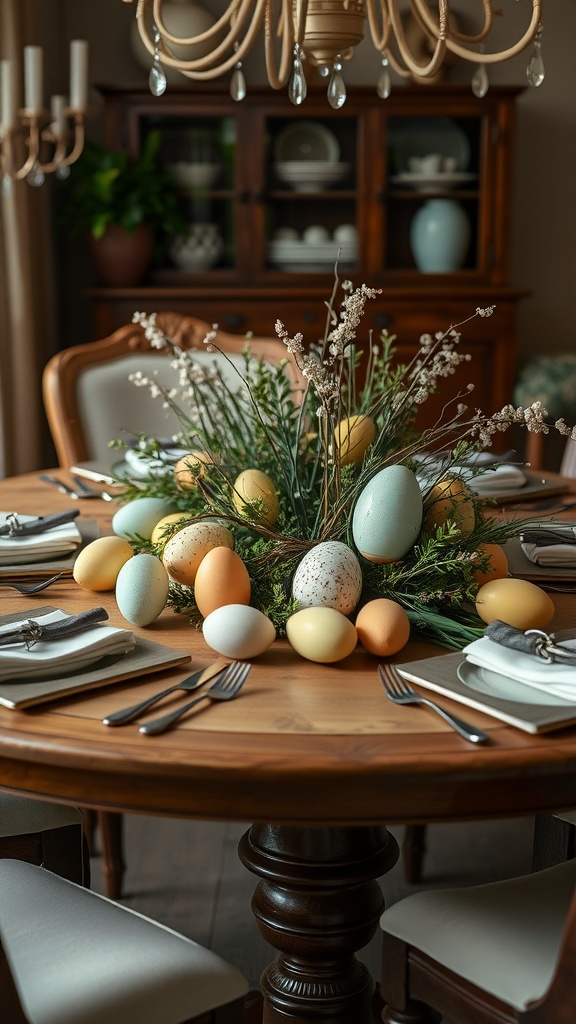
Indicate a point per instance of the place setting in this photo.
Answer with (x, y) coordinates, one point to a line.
(41, 546)
(47, 653)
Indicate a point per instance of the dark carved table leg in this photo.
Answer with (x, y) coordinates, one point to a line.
(318, 902)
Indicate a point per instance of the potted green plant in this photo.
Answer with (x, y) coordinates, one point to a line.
(125, 205)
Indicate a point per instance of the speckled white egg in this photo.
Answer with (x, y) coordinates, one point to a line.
(184, 552)
(142, 589)
(139, 517)
(238, 631)
(388, 515)
(328, 576)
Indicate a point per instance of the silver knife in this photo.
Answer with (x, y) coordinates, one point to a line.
(46, 479)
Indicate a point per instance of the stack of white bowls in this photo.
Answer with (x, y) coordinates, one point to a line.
(310, 175)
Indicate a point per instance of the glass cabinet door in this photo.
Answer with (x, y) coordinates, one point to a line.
(199, 154)
(433, 207)
(311, 214)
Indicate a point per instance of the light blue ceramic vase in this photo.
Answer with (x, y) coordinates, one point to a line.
(440, 236)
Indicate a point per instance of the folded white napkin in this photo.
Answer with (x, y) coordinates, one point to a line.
(60, 540)
(557, 555)
(494, 480)
(549, 677)
(68, 654)
(142, 466)
(501, 478)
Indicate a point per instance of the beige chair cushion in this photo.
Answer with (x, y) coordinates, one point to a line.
(113, 408)
(20, 815)
(503, 937)
(79, 958)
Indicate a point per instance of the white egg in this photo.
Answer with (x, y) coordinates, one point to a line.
(238, 631)
(142, 589)
(388, 515)
(139, 517)
(328, 576)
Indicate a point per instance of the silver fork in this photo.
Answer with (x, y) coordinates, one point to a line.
(398, 691)
(192, 682)
(34, 588)
(226, 687)
(90, 492)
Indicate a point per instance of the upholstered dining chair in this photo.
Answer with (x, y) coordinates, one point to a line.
(45, 834)
(89, 401)
(502, 952)
(70, 955)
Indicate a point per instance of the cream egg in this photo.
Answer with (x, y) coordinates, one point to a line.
(388, 515)
(97, 565)
(238, 631)
(329, 575)
(139, 517)
(449, 500)
(352, 437)
(222, 578)
(519, 603)
(253, 484)
(184, 552)
(191, 467)
(321, 634)
(142, 589)
(168, 526)
(383, 627)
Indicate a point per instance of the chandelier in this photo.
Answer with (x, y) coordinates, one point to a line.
(30, 133)
(323, 34)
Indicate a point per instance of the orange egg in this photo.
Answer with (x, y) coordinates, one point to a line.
(383, 626)
(222, 578)
(498, 565)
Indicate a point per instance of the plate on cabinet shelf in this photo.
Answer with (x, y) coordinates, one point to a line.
(433, 182)
(306, 140)
(420, 136)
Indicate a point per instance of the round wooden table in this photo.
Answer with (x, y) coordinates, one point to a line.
(314, 757)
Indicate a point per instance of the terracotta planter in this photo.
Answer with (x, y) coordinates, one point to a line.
(122, 259)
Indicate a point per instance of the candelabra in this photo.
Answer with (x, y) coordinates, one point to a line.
(30, 134)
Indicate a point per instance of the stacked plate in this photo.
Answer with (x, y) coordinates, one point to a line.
(310, 175)
(297, 255)
(194, 175)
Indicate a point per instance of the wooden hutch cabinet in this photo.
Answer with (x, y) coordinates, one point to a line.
(271, 233)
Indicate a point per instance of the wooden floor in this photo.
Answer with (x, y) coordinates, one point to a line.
(187, 875)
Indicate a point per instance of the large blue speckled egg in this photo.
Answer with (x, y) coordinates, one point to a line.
(388, 515)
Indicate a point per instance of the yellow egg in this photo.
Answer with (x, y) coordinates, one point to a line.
(383, 627)
(221, 578)
(253, 484)
(161, 534)
(321, 634)
(190, 467)
(516, 602)
(497, 568)
(184, 552)
(352, 437)
(449, 500)
(98, 564)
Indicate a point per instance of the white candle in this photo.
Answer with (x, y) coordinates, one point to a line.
(79, 74)
(8, 113)
(33, 78)
(58, 105)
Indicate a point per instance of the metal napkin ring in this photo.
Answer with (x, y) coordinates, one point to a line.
(534, 641)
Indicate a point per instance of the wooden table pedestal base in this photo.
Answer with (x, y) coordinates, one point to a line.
(317, 904)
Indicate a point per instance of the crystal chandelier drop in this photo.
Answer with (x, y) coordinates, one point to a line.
(323, 34)
(30, 133)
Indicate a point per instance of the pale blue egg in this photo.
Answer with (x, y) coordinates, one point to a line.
(142, 591)
(139, 517)
(388, 515)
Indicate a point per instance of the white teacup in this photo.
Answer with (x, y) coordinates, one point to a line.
(431, 163)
